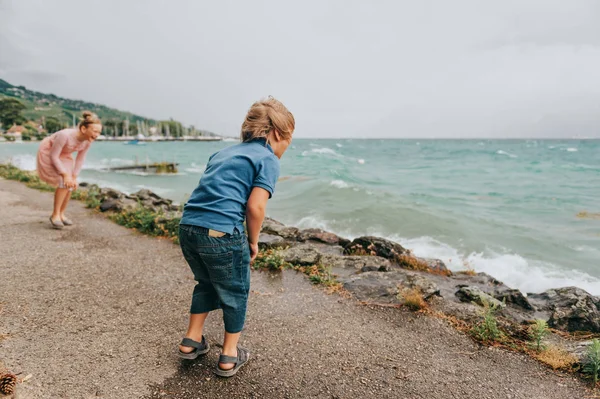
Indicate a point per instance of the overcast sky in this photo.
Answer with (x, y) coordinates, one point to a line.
(522, 68)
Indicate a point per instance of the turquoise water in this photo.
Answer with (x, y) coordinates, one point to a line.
(504, 207)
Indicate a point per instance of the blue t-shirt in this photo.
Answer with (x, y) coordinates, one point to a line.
(219, 201)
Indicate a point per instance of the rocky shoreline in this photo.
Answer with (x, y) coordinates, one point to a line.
(375, 270)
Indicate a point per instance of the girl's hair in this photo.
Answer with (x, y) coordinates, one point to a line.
(88, 118)
(266, 115)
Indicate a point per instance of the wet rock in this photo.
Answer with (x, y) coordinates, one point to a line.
(320, 236)
(266, 241)
(111, 205)
(83, 184)
(375, 246)
(474, 294)
(513, 297)
(571, 308)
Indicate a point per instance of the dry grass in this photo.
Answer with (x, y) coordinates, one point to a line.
(411, 262)
(557, 358)
(413, 299)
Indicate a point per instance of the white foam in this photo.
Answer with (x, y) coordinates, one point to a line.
(339, 184)
(323, 150)
(195, 168)
(571, 149)
(529, 276)
(501, 152)
(338, 145)
(512, 269)
(361, 161)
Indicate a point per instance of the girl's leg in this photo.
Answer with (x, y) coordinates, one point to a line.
(194, 330)
(59, 200)
(63, 207)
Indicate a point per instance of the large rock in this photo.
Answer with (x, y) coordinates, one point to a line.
(110, 193)
(571, 309)
(145, 194)
(384, 287)
(513, 297)
(110, 205)
(475, 295)
(323, 236)
(360, 263)
(266, 241)
(289, 233)
(375, 246)
(374, 287)
(304, 255)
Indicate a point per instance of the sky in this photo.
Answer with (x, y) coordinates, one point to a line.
(345, 68)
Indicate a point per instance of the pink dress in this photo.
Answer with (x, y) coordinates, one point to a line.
(55, 156)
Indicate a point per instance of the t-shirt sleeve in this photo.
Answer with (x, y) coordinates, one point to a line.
(267, 174)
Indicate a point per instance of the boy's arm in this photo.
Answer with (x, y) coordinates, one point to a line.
(255, 214)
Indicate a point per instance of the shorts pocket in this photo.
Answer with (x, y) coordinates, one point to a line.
(218, 266)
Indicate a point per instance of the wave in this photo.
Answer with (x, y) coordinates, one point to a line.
(195, 168)
(339, 184)
(501, 152)
(516, 271)
(571, 149)
(23, 161)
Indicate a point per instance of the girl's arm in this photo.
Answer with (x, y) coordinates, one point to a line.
(57, 146)
(79, 161)
(255, 214)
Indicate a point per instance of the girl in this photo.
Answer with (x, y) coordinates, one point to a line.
(55, 163)
(236, 185)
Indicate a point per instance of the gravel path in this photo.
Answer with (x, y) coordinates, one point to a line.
(96, 310)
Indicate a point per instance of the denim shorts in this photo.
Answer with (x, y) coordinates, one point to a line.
(221, 267)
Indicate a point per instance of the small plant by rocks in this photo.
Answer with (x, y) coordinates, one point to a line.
(538, 331)
(591, 363)
(487, 329)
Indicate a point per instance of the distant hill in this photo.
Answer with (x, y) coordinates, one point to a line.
(42, 105)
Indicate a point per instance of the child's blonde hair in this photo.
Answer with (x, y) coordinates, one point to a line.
(266, 115)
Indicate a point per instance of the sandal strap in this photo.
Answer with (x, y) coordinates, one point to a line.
(242, 356)
(228, 359)
(192, 344)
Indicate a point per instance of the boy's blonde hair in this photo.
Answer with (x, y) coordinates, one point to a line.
(266, 115)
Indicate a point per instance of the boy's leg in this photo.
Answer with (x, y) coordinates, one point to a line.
(230, 348)
(194, 331)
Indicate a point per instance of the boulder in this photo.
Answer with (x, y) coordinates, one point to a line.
(360, 263)
(375, 246)
(320, 236)
(289, 233)
(571, 309)
(144, 194)
(385, 287)
(513, 297)
(303, 255)
(475, 295)
(266, 241)
(111, 205)
(109, 193)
